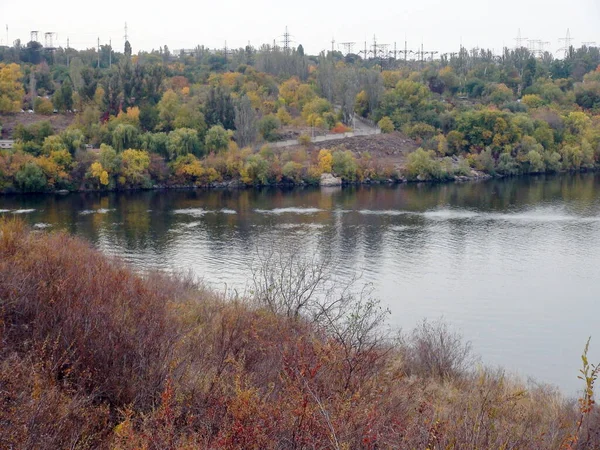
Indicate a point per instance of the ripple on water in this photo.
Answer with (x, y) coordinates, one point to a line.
(383, 212)
(87, 212)
(23, 211)
(291, 210)
(199, 212)
(449, 214)
(4, 211)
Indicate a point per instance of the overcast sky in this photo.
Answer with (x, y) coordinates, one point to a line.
(440, 24)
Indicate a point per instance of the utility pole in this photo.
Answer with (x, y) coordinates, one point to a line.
(67, 52)
(109, 53)
(98, 53)
(332, 46)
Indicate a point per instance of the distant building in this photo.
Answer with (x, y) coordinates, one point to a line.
(6, 143)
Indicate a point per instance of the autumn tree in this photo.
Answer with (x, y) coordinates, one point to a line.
(168, 107)
(134, 168)
(11, 89)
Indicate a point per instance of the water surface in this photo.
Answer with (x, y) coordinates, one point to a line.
(513, 264)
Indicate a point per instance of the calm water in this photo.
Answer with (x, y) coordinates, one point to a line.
(513, 264)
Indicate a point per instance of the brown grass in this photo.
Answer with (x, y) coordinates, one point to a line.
(95, 356)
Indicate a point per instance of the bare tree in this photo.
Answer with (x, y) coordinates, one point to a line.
(346, 89)
(326, 77)
(245, 122)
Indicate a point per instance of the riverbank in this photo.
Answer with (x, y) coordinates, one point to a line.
(117, 360)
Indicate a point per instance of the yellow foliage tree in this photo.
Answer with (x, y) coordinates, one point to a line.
(11, 89)
(97, 172)
(325, 161)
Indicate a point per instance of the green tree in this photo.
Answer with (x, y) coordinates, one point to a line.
(268, 127)
(182, 141)
(125, 136)
(31, 178)
(217, 139)
(73, 139)
(168, 107)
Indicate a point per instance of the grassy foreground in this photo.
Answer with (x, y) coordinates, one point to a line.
(93, 355)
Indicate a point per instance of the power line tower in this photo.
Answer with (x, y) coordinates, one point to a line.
(365, 52)
(347, 46)
(405, 52)
(34, 36)
(126, 36)
(227, 51)
(536, 46)
(286, 40)
(49, 40)
(566, 42)
(519, 40)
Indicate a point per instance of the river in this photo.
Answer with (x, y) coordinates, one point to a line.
(513, 264)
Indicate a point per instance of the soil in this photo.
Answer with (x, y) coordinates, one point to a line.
(58, 121)
(388, 149)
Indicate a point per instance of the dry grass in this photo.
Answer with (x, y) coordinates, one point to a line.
(94, 356)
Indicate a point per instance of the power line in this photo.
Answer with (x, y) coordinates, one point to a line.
(347, 46)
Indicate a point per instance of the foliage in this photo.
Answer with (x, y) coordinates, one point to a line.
(31, 178)
(11, 90)
(386, 125)
(298, 364)
(325, 161)
(422, 165)
(43, 106)
(217, 139)
(181, 141)
(268, 127)
(134, 168)
(344, 165)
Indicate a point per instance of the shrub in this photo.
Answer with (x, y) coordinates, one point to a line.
(255, 170)
(344, 165)
(422, 130)
(432, 349)
(422, 165)
(386, 125)
(340, 128)
(293, 171)
(304, 139)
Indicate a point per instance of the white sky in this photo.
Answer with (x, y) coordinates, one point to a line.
(440, 24)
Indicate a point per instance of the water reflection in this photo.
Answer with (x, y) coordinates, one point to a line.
(514, 263)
